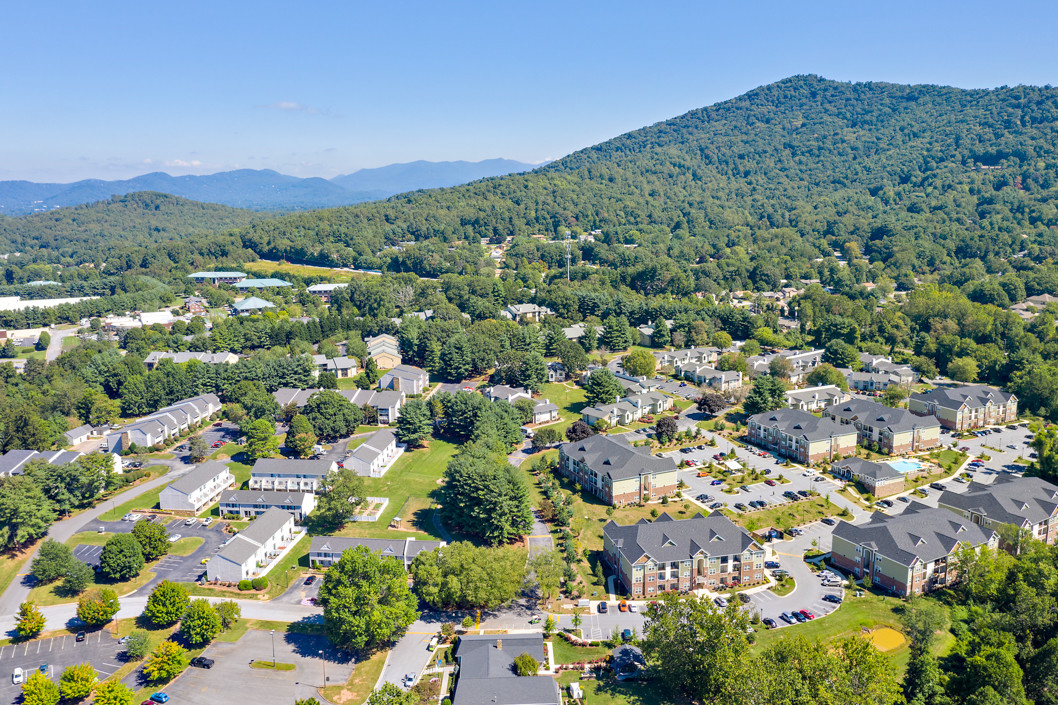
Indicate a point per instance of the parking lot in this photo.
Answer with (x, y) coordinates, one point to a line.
(231, 680)
(99, 649)
(999, 449)
(170, 567)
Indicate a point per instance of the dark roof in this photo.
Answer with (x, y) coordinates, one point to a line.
(801, 423)
(270, 498)
(919, 533)
(871, 413)
(974, 395)
(404, 549)
(668, 539)
(286, 466)
(869, 468)
(1010, 500)
(487, 677)
(615, 458)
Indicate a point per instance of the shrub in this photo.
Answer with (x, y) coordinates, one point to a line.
(245, 585)
(259, 583)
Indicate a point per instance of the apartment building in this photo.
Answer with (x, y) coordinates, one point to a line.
(815, 398)
(285, 475)
(616, 472)
(385, 350)
(326, 550)
(893, 431)
(254, 550)
(406, 378)
(180, 358)
(343, 367)
(166, 423)
(254, 503)
(215, 278)
(722, 381)
(681, 554)
(880, 479)
(198, 489)
(386, 402)
(376, 455)
(1029, 503)
(800, 436)
(523, 313)
(801, 361)
(913, 552)
(965, 408)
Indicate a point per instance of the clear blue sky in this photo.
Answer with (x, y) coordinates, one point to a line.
(113, 89)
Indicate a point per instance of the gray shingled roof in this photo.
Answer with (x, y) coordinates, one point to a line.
(668, 539)
(974, 395)
(286, 466)
(270, 498)
(199, 476)
(1010, 500)
(404, 549)
(486, 672)
(374, 445)
(869, 468)
(871, 413)
(615, 458)
(801, 423)
(919, 533)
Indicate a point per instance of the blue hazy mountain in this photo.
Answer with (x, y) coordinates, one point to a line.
(257, 189)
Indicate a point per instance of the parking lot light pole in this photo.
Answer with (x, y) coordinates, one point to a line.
(273, 648)
(324, 668)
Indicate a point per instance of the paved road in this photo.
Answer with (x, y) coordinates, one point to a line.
(18, 591)
(55, 346)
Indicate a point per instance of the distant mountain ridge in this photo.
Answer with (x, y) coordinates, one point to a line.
(258, 189)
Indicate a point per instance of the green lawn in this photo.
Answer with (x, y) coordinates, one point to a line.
(609, 691)
(787, 515)
(569, 398)
(566, 652)
(147, 500)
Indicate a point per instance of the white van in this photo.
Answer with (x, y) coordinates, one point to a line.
(16, 676)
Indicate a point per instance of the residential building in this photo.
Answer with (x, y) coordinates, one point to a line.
(681, 555)
(522, 313)
(880, 364)
(688, 357)
(556, 372)
(893, 431)
(802, 362)
(326, 550)
(215, 278)
(963, 408)
(506, 393)
(197, 490)
(616, 472)
(486, 674)
(164, 424)
(179, 358)
(617, 414)
(1029, 503)
(801, 436)
(15, 461)
(266, 283)
(912, 552)
(386, 403)
(196, 305)
(577, 330)
(324, 291)
(880, 479)
(385, 350)
(406, 378)
(722, 381)
(251, 305)
(871, 381)
(649, 403)
(646, 333)
(252, 551)
(376, 455)
(342, 367)
(254, 503)
(78, 435)
(545, 411)
(286, 475)
(815, 398)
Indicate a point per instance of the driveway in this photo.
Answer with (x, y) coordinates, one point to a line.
(808, 590)
(232, 680)
(301, 594)
(99, 649)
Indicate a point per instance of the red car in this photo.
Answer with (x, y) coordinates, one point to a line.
(770, 483)
(807, 614)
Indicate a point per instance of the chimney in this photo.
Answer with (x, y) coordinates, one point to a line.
(499, 644)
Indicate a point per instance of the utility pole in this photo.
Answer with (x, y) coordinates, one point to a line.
(324, 668)
(569, 252)
(273, 649)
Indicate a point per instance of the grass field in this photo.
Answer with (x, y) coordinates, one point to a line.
(787, 515)
(11, 564)
(566, 652)
(360, 683)
(52, 593)
(186, 546)
(147, 500)
(569, 398)
(269, 268)
(609, 691)
(409, 485)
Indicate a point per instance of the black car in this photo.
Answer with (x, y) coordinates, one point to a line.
(741, 507)
(310, 580)
(800, 617)
(602, 608)
(81, 636)
(832, 598)
(803, 493)
(202, 662)
(829, 522)
(769, 622)
(716, 505)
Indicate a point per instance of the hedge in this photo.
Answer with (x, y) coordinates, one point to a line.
(245, 585)
(260, 583)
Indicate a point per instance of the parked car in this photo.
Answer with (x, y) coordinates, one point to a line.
(771, 564)
(603, 608)
(741, 507)
(633, 607)
(799, 617)
(17, 677)
(159, 697)
(769, 623)
(720, 602)
(937, 486)
(716, 505)
(716, 482)
(904, 498)
(207, 521)
(785, 616)
(808, 614)
(770, 483)
(832, 598)
(828, 521)
(744, 488)
(626, 635)
(885, 502)
(81, 636)
(190, 521)
(174, 538)
(202, 662)
(623, 606)
(310, 580)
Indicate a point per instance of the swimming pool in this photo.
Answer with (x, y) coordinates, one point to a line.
(906, 466)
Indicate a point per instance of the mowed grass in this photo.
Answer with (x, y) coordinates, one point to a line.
(787, 515)
(609, 691)
(269, 268)
(566, 652)
(409, 485)
(361, 682)
(569, 398)
(146, 501)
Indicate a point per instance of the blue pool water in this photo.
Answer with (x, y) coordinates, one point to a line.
(906, 466)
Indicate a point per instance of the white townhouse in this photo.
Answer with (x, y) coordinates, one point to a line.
(252, 551)
(198, 489)
(286, 475)
(254, 503)
(376, 455)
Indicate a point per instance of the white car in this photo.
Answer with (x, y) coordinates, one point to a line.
(174, 538)
(633, 607)
(190, 522)
(127, 517)
(16, 677)
(134, 517)
(207, 521)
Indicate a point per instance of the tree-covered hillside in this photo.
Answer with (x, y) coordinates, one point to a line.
(918, 176)
(91, 231)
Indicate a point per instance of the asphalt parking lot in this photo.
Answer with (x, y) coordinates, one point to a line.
(468, 385)
(99, 649)
(299, 593)
(176, 568)
(231, 680)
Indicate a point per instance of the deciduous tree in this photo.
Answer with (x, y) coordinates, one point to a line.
(200, 623)
(167, 661)
(30, 620)
(77, 681)
(121, 558)
(166, 604)
(97, 606)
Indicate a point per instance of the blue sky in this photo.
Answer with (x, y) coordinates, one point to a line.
(114, 89)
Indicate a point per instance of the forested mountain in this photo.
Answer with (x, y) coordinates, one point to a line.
(920, 178)
(91, 232)
(412, 176)
(257, 189)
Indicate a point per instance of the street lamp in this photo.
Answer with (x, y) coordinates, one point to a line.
(324, 668)
(273, 648)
